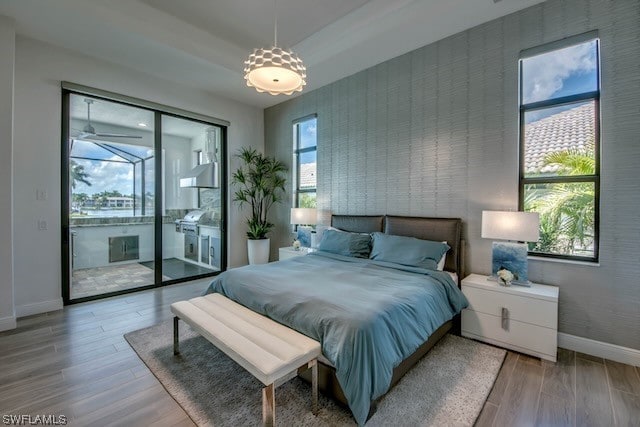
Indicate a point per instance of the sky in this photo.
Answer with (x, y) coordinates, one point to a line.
(559, 73)
(308, 133)
(308, 138)
(106, 176)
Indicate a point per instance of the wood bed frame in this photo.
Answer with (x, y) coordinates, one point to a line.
(437, 229)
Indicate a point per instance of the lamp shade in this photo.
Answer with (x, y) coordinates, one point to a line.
(518, 226)
(275, 70)
(305, 216)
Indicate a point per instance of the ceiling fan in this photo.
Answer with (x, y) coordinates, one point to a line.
(89, 131)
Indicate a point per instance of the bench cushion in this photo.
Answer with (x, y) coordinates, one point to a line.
(265, 348)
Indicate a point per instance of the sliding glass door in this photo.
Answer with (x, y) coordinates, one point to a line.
(192, 198)
(136, 214)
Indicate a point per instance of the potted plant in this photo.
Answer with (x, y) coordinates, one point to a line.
(260, 184)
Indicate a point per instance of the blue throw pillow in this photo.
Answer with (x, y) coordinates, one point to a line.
(407, 250)
(345, 243)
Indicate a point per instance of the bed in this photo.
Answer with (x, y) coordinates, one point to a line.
(374, 319)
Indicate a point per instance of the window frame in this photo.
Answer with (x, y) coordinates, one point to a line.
(554, 102)
(297, 151)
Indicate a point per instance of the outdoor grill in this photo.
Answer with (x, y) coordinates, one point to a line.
(189, 224)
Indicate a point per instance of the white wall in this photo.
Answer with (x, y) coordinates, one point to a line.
(7, 53)
(39, 70)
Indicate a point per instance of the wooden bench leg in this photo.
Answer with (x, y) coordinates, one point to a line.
(314, 386)
(269, 405)
(176, 338)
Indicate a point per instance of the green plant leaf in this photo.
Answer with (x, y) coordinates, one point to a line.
(567, 211)
(260, 183)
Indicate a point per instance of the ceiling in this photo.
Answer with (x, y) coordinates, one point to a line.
(249, 23)
(109, 116)
(203, 43)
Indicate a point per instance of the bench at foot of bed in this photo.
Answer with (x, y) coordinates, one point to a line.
(270, 351)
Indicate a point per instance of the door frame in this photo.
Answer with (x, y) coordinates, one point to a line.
(159, 110)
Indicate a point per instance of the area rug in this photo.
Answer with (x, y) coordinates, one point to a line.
(448, 387)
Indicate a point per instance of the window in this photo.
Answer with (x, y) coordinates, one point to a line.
(559, 145)
(305, 142)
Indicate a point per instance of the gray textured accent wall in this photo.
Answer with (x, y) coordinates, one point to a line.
(434, 132)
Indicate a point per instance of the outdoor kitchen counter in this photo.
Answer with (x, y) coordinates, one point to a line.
(116, 221)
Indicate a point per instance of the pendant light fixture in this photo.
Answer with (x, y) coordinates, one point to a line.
(275, 70)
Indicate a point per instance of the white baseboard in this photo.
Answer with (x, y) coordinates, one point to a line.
(39, 307)
(7, 323)
(605, 350)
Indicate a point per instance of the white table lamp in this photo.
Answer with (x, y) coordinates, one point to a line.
(514, 226)
(304, 216)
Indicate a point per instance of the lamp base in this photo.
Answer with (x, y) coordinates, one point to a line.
(513, 257)
(306, 236)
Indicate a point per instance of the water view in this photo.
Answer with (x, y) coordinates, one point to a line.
(105, 213)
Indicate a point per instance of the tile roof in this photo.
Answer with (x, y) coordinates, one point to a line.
(308, 175)
(572, 128)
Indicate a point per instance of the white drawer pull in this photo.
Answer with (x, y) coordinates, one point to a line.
(505, 318)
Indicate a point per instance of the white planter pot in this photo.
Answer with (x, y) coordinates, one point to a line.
(258, 251)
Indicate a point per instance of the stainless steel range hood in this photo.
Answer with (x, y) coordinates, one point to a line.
(202, 176)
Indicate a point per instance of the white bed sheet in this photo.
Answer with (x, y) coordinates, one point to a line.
(454, 276)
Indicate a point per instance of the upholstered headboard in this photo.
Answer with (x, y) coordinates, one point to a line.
(358, 223)
(436, 229)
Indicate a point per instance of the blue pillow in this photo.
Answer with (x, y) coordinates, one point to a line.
(407, 250)
(345, 243)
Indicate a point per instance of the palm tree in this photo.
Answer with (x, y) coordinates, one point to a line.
(77, 174)
(572, 161)
(567, 210)
(306, 201)
(80, 198)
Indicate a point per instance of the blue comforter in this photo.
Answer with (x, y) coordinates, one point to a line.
(367, 315)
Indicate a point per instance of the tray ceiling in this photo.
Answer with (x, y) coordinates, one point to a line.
(203, 43)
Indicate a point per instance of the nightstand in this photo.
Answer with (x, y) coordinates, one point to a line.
(515, 317)
(289, 252)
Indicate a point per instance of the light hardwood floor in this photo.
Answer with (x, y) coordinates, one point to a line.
(578, 390)
(76, 362)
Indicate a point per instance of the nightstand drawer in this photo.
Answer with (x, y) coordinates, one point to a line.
(521, 308)
(518, 336)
